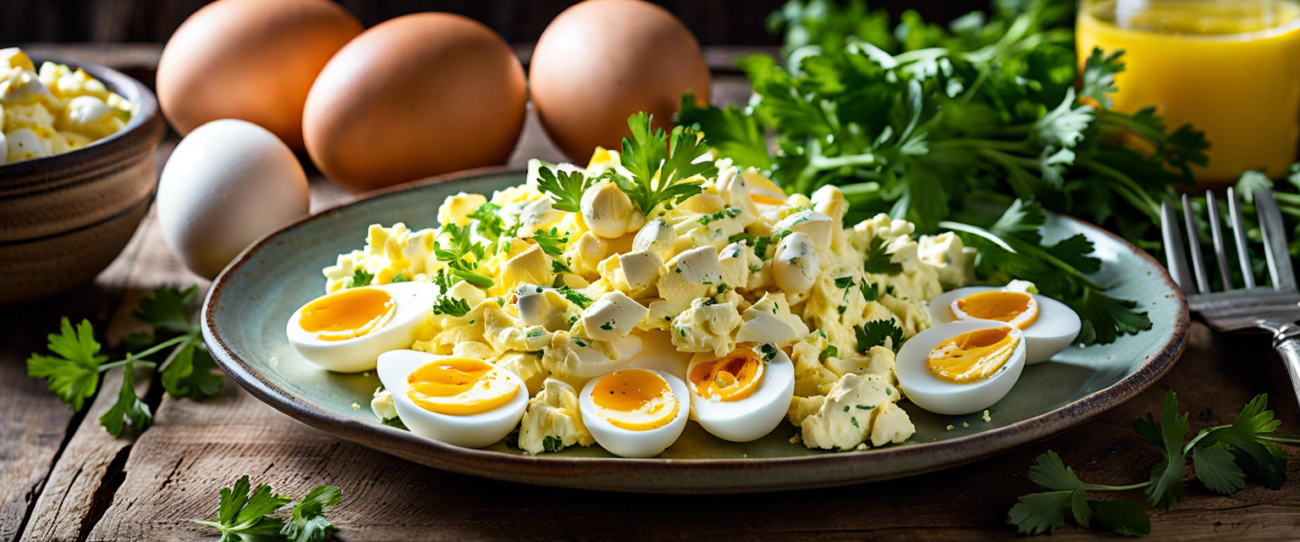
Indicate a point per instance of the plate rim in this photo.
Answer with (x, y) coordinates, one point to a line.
(570, 471)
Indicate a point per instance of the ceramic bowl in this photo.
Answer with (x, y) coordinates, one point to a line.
(64, 218)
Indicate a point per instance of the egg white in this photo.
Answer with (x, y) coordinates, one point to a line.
(752, 417)
(658, 353)
(628, 443)
(1055, 329)
(930, 392)
(413, 300)
(469, 431)
(592, 363)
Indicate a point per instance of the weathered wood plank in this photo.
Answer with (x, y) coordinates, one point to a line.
(177, 468)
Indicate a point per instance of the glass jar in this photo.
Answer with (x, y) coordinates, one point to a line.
(1229, 67)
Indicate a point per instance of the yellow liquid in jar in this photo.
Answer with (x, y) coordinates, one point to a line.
(1229, 67)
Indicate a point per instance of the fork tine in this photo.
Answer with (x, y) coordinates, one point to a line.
(1194, 243)
(1239, 235)
(1216, 231)
(1175, 257)
(1275, 245)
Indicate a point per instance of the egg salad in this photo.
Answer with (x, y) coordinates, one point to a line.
(615, 303)
(53, 111)
(737, 306)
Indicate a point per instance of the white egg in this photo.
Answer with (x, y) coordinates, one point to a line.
(227, 184)
(647, 442)
(332, 349)
(468, 430)
(1055, 328)
(751, 417)
(940, 396)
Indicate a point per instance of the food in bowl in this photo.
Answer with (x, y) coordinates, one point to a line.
(55, 110)
(660, 284)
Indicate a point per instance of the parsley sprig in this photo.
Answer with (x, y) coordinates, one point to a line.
(664, 168)
(878, 333)
(565, 187)
(1223, 457)
(74, 369)
(462, 256)
(244, 515)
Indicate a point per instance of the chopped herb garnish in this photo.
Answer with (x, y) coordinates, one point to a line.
(879, 262)
(360, 278)
(451, 306)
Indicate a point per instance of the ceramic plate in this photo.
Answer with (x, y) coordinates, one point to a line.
(246, 310)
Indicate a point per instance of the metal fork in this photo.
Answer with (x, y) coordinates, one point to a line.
(1273, 308)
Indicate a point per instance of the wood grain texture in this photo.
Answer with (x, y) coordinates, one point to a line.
(78, 483)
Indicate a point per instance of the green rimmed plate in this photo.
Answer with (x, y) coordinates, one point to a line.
(246, 308)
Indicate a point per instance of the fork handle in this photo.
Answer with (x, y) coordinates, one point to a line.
(1286, 340)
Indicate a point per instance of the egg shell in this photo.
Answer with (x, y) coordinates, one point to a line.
(942, 397)
(627, 443)
(250, 59)
(601, 61)
(1055, 329)
(470, 431)
(227, 184)
(359, 354)
(752, 417)
(416, 96)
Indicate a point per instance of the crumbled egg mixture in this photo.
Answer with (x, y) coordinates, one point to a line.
(692, 272)
(53, 111)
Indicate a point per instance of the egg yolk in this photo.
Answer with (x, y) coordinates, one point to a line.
(1015, 308)
(460, 387)
(347, 314)
(731, 378)
(634, 399)
(972, 356)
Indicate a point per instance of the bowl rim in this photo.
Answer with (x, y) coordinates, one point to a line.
(141, 135)
(570, 471)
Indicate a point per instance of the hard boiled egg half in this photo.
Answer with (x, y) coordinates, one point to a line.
(1049, 326)
(635, 412)
(741, 396)
(961, 367)
(461, 401)
(346, 331)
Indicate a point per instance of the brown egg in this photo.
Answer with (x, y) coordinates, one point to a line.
(601, 61)
(253, 60)
(416, 96)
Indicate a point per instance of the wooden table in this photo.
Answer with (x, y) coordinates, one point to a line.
(63, 478)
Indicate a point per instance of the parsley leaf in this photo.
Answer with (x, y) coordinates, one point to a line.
(1217, 471)
(74, 374)
(128, 408)
(1167, 435)
(360, 278)
(308, 522)
(189, 374)
(553, 443)
(552, 242)
(566, 187)
(462, 256)
(245, 516)
(663, 167)
(165, 309)
(1246, 440)
(879, 262)
(876, 332)
(575, 297)
(452, 306)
